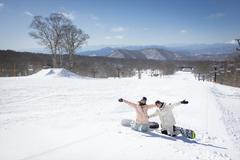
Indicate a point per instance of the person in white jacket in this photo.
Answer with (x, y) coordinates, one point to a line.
(164, 111)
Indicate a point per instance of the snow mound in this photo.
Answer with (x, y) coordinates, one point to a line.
(55, 72)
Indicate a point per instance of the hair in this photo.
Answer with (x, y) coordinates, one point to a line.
(157, 102)
(141, 103)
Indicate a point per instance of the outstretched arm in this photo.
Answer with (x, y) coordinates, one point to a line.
(175, 104)
(172, 105)
(128, 102)
(154, 114)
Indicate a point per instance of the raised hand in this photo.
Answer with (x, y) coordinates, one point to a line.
(184, 102)
(120, 100)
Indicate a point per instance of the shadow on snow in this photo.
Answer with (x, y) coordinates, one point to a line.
(184, 139)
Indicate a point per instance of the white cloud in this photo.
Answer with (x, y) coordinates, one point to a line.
(69, 15)
(108, 37)
(216, 15)
(118, 29)
(231, 42)
(183, 31)
(1, 5)
(93, 17)
(117, 37)
(99, 25)
(28, 13)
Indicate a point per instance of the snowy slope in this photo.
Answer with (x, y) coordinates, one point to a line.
(55, 72)
(72, 119)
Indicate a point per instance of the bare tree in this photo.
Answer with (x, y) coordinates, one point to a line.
(72, 39)
(49, 31)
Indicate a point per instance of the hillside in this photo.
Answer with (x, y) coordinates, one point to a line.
(55, 73)
(99, 52)
(147, 53)
(129, 54)
(159, 54)
(72, 118)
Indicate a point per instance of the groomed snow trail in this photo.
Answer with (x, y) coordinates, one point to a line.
(46, 118)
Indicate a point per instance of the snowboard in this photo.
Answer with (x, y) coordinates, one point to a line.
(188, 133)
(128, 122)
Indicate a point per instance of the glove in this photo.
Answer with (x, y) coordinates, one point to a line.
(184, 102)
(120, 100)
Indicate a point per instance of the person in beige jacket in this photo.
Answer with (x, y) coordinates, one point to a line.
(164, 111)
(141, 123)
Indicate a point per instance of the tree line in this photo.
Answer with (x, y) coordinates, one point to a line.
(25, 63)
(14, 63)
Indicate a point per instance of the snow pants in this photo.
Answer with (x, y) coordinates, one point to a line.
(140, 127)
(170, 130)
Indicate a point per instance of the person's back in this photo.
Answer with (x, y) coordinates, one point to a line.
(141, 123)
(141, 114)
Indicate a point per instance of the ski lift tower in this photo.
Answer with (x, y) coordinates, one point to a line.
(238, 41)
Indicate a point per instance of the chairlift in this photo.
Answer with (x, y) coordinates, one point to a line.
(221, 69)
(229, 71)
(30, 67)
(230, 65)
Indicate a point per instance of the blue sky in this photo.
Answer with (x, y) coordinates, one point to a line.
(126, 22)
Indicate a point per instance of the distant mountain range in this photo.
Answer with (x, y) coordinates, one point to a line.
(99, 52)
(217, 51)
(158, 52)
(204, 49)
(147, 53)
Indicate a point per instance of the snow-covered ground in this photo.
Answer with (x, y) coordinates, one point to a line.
(58, 118)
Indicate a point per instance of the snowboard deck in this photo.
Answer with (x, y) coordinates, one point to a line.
(187, 133)
(128, 122)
